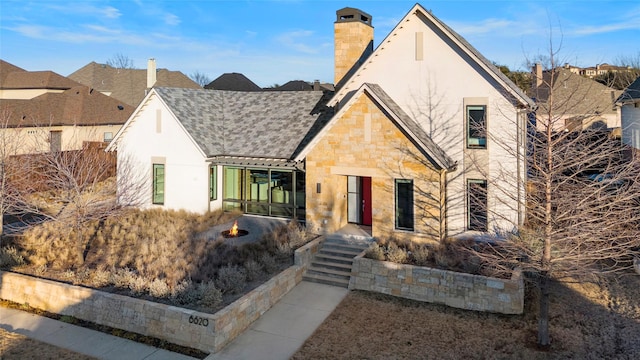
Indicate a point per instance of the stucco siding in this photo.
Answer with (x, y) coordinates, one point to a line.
(155, 136)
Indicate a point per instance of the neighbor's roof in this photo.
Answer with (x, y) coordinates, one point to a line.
(270, 125)
(464, 45)
(631, 93)
(233, 82)
(78, 105)
(13, 77)
(128, 85)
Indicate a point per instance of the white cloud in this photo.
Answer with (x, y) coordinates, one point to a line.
(299, 40)
(171, 19)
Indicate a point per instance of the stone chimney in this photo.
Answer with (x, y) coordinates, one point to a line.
(537, 73)
(151, 73)
(353, 39)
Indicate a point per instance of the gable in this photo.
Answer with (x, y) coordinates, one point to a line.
(368, 132)
(423, 52)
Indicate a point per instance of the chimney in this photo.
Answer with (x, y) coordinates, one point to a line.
(353, 41)
(151, 73)
(537, 73)
(316, 85)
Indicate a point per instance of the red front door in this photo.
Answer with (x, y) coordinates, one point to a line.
(365, 186)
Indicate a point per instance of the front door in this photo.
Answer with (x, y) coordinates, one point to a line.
(359, 200)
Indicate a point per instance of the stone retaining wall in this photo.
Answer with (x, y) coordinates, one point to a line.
(202, 331)
(459, 290)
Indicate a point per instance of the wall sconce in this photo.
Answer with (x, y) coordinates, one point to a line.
(318, 188)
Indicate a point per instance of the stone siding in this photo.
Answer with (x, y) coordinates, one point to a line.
(459, 290)
(364, 141)
(202, 331)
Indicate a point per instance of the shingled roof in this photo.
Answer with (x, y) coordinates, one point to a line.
(631, 93)
(13, 77)
(269, 125)
(233, 82)
(78, 105)
(128, 85)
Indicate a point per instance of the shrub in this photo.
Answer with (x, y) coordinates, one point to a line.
(9, 257)
(138, 285)
(297, 234)
(159, 288)
(269, 263)
(211, 296)
(396, 254)
(422, 255)
(375, 252)
(253, 269)
(100, 278)
(231, 279)
(186, 293)
(123, 277)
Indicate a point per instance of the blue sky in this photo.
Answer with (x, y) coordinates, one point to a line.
(280, 40)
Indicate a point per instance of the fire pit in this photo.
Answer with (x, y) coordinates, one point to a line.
(234, 232)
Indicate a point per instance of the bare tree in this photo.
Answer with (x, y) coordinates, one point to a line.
(200, 78)
(583, 196)
(120, 61)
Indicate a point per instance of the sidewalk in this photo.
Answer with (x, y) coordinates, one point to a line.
(79, 339)
(280, 332)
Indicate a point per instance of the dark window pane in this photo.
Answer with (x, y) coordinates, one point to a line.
(404, 204)
(476, 126)
(477, 192)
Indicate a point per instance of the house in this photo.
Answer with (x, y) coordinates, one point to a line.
(45, 111)
(578, 102)
(629, 103)
(130, 85)
(423, 138)
(233, 82)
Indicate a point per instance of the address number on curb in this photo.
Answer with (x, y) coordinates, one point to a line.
(198, 320)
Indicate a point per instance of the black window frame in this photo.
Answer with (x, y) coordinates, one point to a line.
(404, 206)
(477, 205)
(476, 128)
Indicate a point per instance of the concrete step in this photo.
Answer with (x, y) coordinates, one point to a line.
(331, 265)
(349, 239)
(338, 252)
(328, 280)
(349, 247)
(339, 274)
(333, 258)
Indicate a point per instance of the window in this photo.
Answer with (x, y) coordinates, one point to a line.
(108, 136)
(476, 126)
(404, 204)
(213, 183)
(158, 184)
(477, 205)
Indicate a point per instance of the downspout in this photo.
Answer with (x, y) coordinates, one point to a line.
(443, 205)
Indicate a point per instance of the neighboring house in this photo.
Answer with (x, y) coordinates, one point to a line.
(48, 112)
(233, 82)
(301, 85)
(578, 102)
(130, 85)
(629, 103)
(424, 138)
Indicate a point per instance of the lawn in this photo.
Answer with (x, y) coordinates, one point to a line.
(15, 346)
(588, 321)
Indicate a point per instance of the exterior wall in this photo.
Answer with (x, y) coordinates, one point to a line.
(30, 140)
(186, 171)
(631, 125)
(364, 142)
(430, 82)
(459, 290)
(202, 331)
(25, 94)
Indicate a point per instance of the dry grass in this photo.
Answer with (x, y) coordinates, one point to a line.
(16, 346)
(587, 322)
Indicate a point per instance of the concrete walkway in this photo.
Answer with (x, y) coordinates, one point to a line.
(281, 331)
(79, 339)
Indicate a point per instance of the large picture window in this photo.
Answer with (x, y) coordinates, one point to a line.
(158, 184)
(477, 205)
(264, 191)
(404, 204)
(476, 126)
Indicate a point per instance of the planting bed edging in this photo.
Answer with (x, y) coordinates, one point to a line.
(459, 290)
(198, 330)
